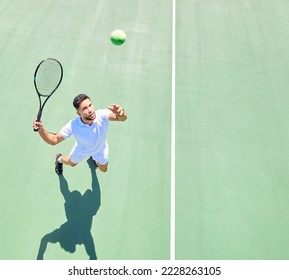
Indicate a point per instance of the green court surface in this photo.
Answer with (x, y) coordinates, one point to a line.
(133, 220)
(232, 151)
(232, 129)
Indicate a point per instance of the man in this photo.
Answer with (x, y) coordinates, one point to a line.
(89, 129)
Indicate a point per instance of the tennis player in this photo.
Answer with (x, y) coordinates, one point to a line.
(89, 128)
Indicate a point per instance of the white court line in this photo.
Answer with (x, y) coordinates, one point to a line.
(173, 133)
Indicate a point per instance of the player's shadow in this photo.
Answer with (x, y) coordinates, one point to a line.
(79, 210)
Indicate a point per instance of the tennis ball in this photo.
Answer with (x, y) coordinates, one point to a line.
(118, 37)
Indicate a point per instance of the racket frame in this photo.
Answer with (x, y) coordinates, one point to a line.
(41, 105)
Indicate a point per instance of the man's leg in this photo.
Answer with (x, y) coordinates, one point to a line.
(102, 167)
(103, 158)
(66, 160)
(60, 160)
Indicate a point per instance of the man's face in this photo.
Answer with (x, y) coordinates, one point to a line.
(86, 110)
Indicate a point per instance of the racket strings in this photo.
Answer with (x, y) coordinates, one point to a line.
(48, 77)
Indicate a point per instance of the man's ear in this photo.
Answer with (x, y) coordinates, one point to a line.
(77, 112)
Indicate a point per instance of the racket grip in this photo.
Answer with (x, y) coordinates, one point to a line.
(38, 119)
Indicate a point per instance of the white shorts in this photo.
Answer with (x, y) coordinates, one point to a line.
(76, 156)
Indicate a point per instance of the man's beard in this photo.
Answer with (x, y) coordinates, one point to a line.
(90, 118)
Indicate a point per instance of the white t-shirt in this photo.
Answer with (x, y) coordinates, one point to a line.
(89, 138)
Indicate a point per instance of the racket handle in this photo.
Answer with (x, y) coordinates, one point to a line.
(38, 119)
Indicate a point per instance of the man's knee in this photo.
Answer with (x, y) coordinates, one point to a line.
(101, 167)
(72, 164)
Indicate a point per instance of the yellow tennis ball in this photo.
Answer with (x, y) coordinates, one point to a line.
(118, 37)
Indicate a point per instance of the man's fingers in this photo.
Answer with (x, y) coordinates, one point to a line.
(115, 108)
(37, 124)
(119, 111)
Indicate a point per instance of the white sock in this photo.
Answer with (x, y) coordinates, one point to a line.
(60, 159)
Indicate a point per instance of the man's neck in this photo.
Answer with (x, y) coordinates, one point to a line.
(89, 122)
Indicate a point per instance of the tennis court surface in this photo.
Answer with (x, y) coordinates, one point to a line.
(232, 120)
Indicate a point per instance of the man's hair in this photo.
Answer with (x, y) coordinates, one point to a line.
(78, 99)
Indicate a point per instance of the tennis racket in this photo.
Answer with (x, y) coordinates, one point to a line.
(47, 78)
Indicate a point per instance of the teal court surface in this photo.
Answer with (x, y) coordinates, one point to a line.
(231, 128)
